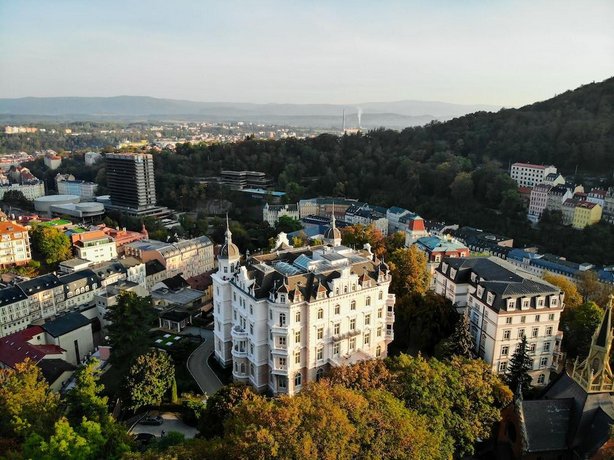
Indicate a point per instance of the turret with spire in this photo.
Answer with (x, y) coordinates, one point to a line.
(229, 253)
(333, 235)
(594, 373)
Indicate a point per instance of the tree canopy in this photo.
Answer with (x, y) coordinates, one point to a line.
(151, 375)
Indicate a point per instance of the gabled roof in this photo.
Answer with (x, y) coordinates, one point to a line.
(11, 295)
(54, 368)
(14, 348)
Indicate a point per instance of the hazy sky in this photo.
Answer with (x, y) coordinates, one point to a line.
(492, 52)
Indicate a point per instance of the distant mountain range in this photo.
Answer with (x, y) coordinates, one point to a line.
(140, 108)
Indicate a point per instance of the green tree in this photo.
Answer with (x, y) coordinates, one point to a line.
(84, 398)
(409, 271)
(128, 330)
(84, 443)
(371, 374)
(579, 325)
(220, 406)
(460, 343)
(52, 244)
(517, 375)
(149, 378)
(358, 235)
(288, 224)
(463, 398)
(569, 288)
(27, 404)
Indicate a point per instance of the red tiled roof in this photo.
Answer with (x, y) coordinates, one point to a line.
(529, 165)
(15, 348)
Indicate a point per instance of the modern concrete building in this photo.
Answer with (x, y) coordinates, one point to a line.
(86, 191)
(130, 179)
(283, 319)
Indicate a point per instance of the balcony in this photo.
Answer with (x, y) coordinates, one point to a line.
(238, 333)
(390, 300)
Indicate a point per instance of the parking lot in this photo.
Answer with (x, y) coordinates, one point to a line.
(171, 423)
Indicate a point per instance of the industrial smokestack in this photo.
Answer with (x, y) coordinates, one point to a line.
(359, 117)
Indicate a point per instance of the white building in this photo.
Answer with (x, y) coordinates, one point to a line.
(505, 304)
(91, 158)
(95, 246)
(283, 319)
(30, 191)
(529, 175)
(272, 213)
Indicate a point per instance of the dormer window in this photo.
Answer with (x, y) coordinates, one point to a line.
(444, 267)
(474, 277)
(480, 292)
(540, 302)
(554, 301)
(490, 298)
(453, 273)
(526, 303)
(511, 304)
(282, 298)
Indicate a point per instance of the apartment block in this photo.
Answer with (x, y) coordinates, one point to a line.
(530, 175)
(14, 243)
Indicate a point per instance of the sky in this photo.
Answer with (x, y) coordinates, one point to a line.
(506, 53)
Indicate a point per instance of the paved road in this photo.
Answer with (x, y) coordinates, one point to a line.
(171, 423)
(200, 370)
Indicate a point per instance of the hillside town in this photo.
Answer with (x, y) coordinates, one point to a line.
(316, 300)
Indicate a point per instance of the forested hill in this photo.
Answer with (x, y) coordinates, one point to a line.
(443, 170)
(575, 128)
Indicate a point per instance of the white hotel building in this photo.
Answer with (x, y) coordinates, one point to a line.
(505, 304)
(530, 175)
(283, 319)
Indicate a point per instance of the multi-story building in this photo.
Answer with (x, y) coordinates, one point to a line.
(585, 214)
(30, 191)
(608, 207)
(415, 230)
(86, 191)
(188, 257)
(364, 214)
(95, 246)
(503, 305)
(326, 206)
(14, 243)
(597, 196)
(557, 196)
(568, 210)
(283, 319)
(52, 161)
(239, 180)
(131, 183)
(395, 222)
(91, 158)
(554, 179)
(538, 201)
(272, 213)
(529, 175)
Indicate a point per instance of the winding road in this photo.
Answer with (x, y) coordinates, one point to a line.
(197, 364)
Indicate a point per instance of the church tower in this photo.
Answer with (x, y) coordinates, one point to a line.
(228, 262)
(594, 373)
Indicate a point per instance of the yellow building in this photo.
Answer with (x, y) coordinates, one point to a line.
(586, 213)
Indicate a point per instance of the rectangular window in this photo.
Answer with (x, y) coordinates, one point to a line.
(535, 332)
(508, 320)
(520, 333)
(502, 367)
(336, 328)
(282, 362)
(320, 354)
(504, 350)
(379, 331)
(532, 348)
(297, 357)
(297, 337)
(367, 340)
(379, 312)
(336, 349)
(551, 316)
(543, 362)
(506, 334)
(367, 320)
(282, 341)
(537, 317)
(353, 344)
(352, 324)
(320, 333)
(523, 319)
(297, 316)
(337, 309)
(546, 346)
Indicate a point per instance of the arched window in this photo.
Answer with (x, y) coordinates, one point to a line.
(319, 374)
(337, 309)
(298, 379)
(320, 313)
(242, 368)
(541, 379)
(353, 305)
(368, 301)
(378, 351)
(282, 319)
(345, 289)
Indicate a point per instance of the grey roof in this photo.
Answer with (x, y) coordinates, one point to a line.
(590, 411)
(53, 369)
(175, 315)
(546, 423)
(153, 266)
(11, 295)
(76, 262)
(79, 278)
(65, 324)
(40, 283)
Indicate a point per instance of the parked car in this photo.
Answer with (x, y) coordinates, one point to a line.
(152, 420)
(142, 440)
